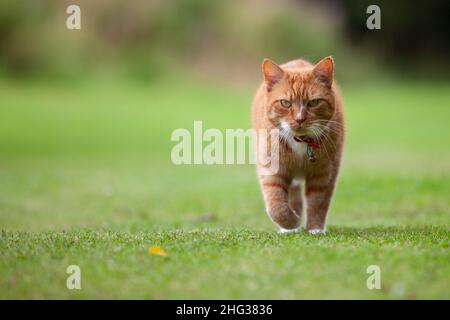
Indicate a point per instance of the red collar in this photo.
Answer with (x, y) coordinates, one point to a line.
(311, 144)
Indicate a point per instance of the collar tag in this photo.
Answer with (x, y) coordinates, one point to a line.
(310, 152)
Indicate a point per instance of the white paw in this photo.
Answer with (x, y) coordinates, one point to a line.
(317, 231)
(283, 230)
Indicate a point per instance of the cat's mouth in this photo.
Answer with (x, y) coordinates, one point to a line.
(302, 138)
(308, 140)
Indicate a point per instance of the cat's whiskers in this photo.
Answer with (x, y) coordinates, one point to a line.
(324, 137)
(318, 136)
(284, 134)
(327, 137)
(329, 125)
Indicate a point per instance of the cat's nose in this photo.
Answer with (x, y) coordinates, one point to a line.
(300, 118)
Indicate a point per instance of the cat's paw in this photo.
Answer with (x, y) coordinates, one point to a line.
(284, 231)
(315, 232)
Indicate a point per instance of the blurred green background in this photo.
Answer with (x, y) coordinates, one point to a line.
(224, 39)
(85, 171)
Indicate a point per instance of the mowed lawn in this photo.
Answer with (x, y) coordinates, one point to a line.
(86, 179)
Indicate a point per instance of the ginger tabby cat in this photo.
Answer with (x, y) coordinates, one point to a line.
(302, 101)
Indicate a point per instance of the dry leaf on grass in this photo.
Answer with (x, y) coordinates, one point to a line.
(157, 251)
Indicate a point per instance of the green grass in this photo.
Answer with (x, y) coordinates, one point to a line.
(86, 179)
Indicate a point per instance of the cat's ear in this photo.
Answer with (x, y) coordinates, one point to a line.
(272, 73)
(323, 71)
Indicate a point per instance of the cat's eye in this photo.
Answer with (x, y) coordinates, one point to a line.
(285, 103)
(313, 103)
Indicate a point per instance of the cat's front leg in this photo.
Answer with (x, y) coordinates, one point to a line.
(275, 191)
(295, 197)
(318, 192)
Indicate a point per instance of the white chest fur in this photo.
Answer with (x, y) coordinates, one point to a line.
(298, 148)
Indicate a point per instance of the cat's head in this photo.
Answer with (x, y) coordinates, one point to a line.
(300, 101)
